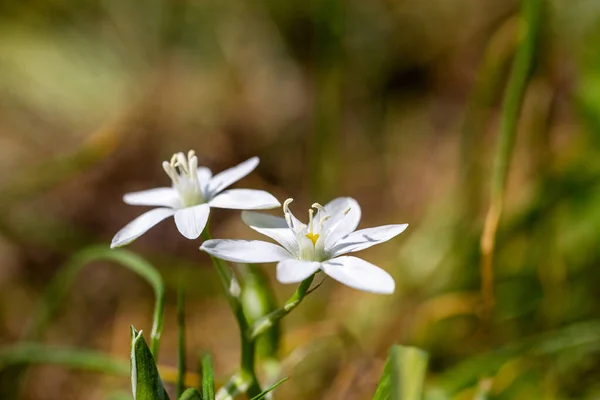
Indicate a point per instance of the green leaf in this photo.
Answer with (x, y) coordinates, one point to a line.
(258, 300)
(145, 380)
(269, 389)
(57, 290)
(208, 380)
(35, 353)
(181, 346)
(403, 374)
(191, 394)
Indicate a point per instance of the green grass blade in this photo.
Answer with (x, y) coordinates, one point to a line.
(34, 353)
(403, 375)
(57, 290)
(145, 380)
(208, 379)
(181, 367)
(269, 389)
(191, 394)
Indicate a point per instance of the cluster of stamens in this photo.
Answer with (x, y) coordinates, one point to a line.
(311, 235)
(184, 174)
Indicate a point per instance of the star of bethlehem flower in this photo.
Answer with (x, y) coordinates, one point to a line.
(321, 244)
(193, 193)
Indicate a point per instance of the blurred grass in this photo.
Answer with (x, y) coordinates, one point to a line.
(394, 103)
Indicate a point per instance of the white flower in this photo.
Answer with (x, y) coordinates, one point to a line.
(189, 200)
(304, 249)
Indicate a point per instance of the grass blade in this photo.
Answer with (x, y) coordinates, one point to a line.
(269, 389)
(181, 367)
(34, 353)
(191, 394)
(145, 380)
(208, 379)
(403, 374)
(57, 290)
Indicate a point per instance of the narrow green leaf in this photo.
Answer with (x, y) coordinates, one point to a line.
(58, 288)
(181, 348)
(258, 300)
(269, 389)
(403, 374)
(145, 380)
(208, 379)
(35, 353)
(191, 394)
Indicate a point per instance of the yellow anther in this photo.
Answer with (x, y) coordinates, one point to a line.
(313, 237)
(347, 211)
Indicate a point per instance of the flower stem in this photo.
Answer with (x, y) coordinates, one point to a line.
(266, 322)
(248, 346)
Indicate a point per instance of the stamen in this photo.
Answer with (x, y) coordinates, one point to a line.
(319, 207)
(347, 211)
(287, 213)
(182, 163)
(193, 161)
(286, 205)
(311, 214)
(170, 171)
(323, 220)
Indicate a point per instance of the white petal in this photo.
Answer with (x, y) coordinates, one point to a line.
(244, 199)
(345, 216)
(359, 274)
(204, 177)
(191, 221)
(231, 175)
(165, 197)
(365, 238)
(204, 174)
(274, 227)
(293, 271)
(247, 251)
(140, 225)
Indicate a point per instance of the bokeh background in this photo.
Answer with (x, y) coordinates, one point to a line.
(393, 102)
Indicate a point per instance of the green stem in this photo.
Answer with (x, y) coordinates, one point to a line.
(266, 322)
(181, 348)
(248, 346)
(511, 108)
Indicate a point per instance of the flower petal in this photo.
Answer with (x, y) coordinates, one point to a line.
(365, 238)
(140, 225)
(344, 215)
(244, 199)
(204, 176)
(164, 196)
(359, 274)
(231, 175)
(274, 227)
(248, 251)
(293, 271)
(191, 221)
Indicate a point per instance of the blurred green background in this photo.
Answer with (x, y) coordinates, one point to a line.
(393, 102)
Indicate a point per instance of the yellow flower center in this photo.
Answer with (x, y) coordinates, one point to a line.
(313, 237)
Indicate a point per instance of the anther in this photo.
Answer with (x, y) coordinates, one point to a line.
(319, 207)
(286, 205)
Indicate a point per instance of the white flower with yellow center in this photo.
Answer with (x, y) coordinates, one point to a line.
(321, 245)
(189, 200)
